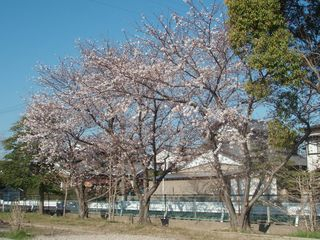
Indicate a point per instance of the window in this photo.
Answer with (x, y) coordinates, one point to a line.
(314, 146)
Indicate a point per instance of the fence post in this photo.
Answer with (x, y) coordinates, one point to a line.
(296, 221)
(222, 215)
(121, 206)
(268, 214)
(194, 207)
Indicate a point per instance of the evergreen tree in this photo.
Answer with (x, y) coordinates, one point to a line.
(19, 170)
(15, 166)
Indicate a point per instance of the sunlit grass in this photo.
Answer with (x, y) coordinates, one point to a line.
(18, 235)
(305, 234)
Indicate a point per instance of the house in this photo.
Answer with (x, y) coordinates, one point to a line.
(11, 194)
(198, 177)
(313, 149)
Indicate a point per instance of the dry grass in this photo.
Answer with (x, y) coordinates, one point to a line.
(71, 224)
(16, 216)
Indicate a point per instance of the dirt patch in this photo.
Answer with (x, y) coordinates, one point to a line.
(100, 237)
(212, 226)
(197, 231)
(4, 226)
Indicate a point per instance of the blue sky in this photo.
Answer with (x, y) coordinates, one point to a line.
(42, 31)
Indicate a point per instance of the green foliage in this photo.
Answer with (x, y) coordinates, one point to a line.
(287, 103)
(16, 169)
(280, 136)
(259, 35)
(303, 21)
(306, 234)
(18, 235)
(251, 20)
(272, 55)
(259, 91)
(16, 164)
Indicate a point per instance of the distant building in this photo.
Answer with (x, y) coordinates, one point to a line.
(199, 178)
(313, 149)
(11, 194)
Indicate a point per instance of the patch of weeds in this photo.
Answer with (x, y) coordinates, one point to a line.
(17, 235)
(305, 234)
(16, 216)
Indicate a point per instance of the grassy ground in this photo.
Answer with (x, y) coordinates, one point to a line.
(18, 234)
(35, 224)
(303, 234)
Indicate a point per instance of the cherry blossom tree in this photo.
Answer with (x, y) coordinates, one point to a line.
(145, 125)
(101, 101)
(178, 89)
(213, 98)
(64, 144)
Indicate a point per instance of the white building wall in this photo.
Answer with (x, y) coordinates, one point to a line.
(237, 186)
(313, 150)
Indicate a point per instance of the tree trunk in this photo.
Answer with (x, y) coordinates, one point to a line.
(244, 219)
(144, 209)
(238, 221)
(114, 199)
(233, 221)
(82, 201)
(65, 197)
(41, 198)
(123, 188)
(312, 212)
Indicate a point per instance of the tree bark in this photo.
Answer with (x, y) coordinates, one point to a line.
(313, 213)
(82, 201)
(144, 209)
(245, 219)
(238, 221)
